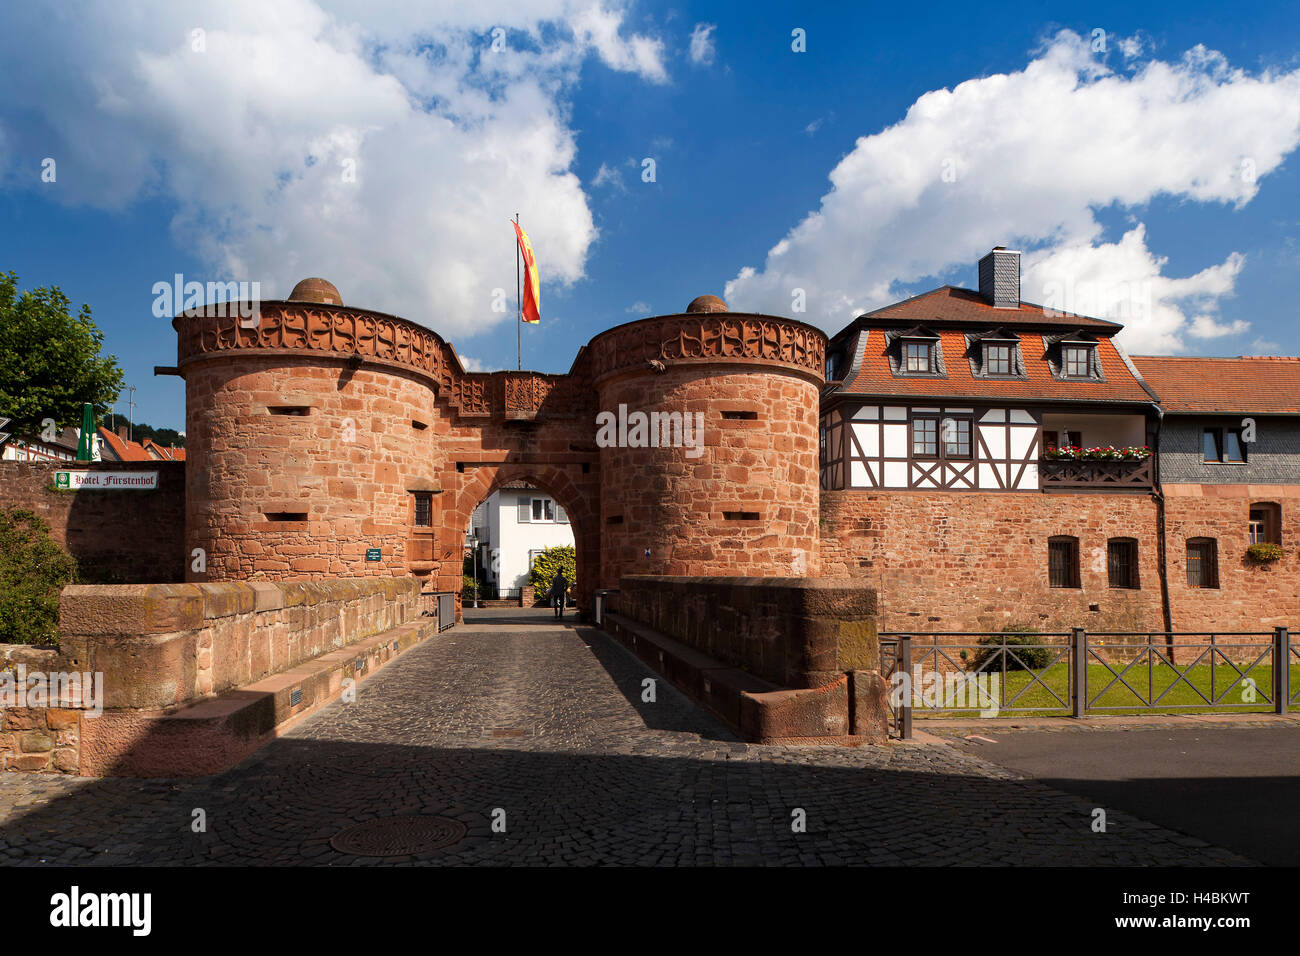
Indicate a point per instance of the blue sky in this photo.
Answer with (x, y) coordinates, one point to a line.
(1144, 182)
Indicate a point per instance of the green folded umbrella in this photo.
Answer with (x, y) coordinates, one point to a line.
(85, 447)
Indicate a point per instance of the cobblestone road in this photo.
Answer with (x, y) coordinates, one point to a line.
(547, 724)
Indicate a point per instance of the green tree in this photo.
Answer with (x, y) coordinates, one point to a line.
(163, 436)
(563, 559)
(49, 360)
(33, 570)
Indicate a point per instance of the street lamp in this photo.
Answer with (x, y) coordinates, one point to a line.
(473, 543)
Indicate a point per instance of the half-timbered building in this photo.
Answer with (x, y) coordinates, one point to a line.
(986, 462)
(967, 390)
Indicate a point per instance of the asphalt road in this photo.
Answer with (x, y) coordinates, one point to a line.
(1235, 787)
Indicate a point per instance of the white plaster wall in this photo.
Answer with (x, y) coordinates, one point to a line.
(518, 538)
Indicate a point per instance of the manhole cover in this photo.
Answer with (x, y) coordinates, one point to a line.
(399, 836)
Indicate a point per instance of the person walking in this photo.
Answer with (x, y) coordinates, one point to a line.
(558, 593)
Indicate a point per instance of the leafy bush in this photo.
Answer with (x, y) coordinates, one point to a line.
(1019, 656)
(562, 559)
(1264, 551)
(467, 589)
(33, 570)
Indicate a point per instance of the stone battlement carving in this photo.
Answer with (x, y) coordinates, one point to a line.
(295, 327)
(710, 337)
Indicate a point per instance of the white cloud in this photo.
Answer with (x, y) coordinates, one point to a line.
(599, 28)
(473, 364)
(608, 176)
(1123, 281)
(702, 47)
(1034, 153)
(639, 307)
(253, 140)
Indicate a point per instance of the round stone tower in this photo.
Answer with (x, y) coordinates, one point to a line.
(707, 429)
(308, 429)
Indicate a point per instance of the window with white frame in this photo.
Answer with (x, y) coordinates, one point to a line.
(540, 510)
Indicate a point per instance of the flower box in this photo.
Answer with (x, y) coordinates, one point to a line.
(1098, 453)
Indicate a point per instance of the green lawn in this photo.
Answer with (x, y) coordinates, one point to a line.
(1041, 703)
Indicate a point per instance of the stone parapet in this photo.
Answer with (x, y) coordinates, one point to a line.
(793, 632)
(162, 645)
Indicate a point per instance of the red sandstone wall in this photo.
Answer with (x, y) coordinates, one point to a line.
(349, 465)
(163, 645)
(132, 537)
(978, 562)
(676, 506)
(1250, 597)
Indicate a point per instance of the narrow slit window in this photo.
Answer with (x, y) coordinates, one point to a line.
(286, 516)
(423, 509)
(1202, 563)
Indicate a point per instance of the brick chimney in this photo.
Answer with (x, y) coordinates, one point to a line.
(1000, 278)
(121, 432)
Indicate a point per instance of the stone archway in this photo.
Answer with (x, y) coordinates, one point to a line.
(578, 494)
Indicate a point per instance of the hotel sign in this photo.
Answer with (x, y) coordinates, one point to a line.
(106, 480)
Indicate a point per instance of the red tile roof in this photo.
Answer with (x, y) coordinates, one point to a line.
(875, 377)
(1253, 384)
(147, 450)
(951, 304)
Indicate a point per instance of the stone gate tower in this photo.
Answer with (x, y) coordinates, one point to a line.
(331, 441)
(745, 500)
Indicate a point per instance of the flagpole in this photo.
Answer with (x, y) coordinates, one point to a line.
(519, 305)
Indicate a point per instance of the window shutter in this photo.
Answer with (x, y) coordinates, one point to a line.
(525, 510)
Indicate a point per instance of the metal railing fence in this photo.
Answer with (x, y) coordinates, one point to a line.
(1079, 672)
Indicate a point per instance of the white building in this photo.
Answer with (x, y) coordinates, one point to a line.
(514, 525)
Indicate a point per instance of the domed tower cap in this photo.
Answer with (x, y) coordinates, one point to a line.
(707, 303)
(316, 290)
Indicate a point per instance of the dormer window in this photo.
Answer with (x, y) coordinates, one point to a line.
(1075, 358)
(997, 359)
(915, 351)
(918, 357)
(995, 354)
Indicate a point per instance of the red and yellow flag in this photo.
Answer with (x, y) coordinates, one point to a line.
(532, 304)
